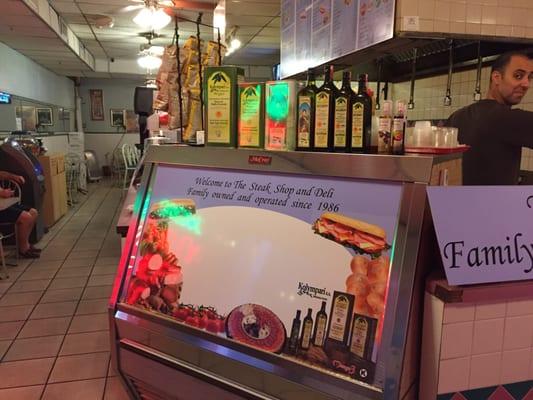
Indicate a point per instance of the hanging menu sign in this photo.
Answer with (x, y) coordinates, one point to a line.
(318, 31)
(303, 28)
(476, 248)
(376, 22)
(344, 29)
(321, 34)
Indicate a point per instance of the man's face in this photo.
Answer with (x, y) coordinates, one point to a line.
(513, 84)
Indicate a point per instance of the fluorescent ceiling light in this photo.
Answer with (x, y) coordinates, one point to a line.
(149, 62)
(152, 18)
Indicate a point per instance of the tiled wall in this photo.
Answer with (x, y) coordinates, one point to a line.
(507, 18)
(430, 92)
(481, 345)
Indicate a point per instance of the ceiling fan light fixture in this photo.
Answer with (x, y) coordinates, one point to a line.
(152, 18)
(156, 50)
(235, 44)
(149, 62)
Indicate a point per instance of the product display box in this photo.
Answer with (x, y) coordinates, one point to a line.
(250, 266)
(280, 114)
(251, 122)
(221, 105)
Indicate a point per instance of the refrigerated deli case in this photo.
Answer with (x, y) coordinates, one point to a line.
(274, 275)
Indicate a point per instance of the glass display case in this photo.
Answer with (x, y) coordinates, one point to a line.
(272, 275)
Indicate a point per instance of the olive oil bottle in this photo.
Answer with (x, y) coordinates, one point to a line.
(324, 113)
(343, 114)
(321, 321)
(306, 114)
(361, 129)
(307, 331)
(292, 345)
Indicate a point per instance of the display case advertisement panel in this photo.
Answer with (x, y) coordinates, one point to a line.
(485, 233)
(293, 265)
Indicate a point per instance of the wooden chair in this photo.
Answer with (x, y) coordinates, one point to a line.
(8, 229)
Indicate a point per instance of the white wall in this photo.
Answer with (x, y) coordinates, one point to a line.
(23, 77)
(56, 144)
(117, 94)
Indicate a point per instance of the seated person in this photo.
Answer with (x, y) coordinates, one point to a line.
(23, 217)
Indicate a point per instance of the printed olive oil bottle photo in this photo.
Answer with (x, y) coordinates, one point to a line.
(221, 105)
(251, 123)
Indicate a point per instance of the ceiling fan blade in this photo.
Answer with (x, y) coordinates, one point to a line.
(130, 8)
(193, 5)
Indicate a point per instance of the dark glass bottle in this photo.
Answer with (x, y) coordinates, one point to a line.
(306, 114)
(321, 324)
(342, 125)
(295, 333)
(307, 331)
(361, 118)
(324, 113)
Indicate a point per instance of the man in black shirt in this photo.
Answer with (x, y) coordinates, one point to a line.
(495, 131)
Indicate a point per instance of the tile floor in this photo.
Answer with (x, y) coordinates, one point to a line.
(54, 334)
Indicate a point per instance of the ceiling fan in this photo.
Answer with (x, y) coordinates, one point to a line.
(156, 14)
(170, 4)
(150, 36)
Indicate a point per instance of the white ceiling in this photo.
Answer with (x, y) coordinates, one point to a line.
(21, 29)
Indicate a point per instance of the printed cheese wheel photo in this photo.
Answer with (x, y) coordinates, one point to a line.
(256, 326)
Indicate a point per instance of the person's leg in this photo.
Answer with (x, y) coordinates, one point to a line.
(24, 225)
(34, 213)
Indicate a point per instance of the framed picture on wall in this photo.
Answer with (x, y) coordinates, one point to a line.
(118, 118)
(27, 117)
(132, 122)
(44, 117)
(97, 104)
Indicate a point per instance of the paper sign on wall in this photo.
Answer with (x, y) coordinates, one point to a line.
(485, 233)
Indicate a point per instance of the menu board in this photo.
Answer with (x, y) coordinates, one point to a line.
(314, 32)
(293, 265)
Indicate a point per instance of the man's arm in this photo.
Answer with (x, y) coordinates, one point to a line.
(517, 128)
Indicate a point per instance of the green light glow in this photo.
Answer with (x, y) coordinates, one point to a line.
(192, 223)
(179, 214)
(168, 209)
(277, 106)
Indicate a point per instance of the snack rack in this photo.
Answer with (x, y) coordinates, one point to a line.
(160, 357)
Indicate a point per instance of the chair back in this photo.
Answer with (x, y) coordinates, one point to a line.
(130, 155)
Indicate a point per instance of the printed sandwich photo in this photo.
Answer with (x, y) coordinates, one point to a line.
(362, 237)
